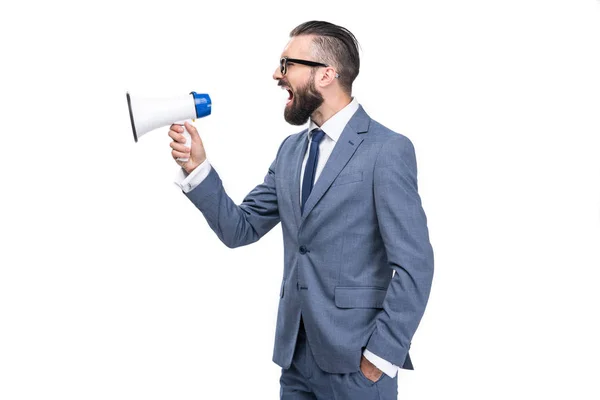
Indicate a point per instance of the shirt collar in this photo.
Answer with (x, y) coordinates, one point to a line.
(334, 126)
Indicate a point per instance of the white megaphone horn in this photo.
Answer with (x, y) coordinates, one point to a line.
(147, 114)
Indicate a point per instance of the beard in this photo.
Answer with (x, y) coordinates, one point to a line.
(305, 101)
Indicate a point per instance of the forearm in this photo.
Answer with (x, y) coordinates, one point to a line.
(236, 225)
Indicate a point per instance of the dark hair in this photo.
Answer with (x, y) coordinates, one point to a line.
(335, 46)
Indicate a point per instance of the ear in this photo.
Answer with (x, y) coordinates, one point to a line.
(326, 76)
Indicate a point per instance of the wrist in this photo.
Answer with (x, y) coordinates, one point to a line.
(189, 169)
(190, 166)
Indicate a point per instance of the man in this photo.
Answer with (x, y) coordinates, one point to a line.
(345, 191)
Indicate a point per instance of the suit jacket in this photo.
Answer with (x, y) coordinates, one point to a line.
(358, 263)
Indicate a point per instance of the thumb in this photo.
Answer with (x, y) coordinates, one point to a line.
(193, 131)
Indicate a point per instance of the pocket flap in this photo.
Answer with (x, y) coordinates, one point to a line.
(342, 179)
(359, 296)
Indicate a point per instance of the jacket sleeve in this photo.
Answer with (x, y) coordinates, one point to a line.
(403, 227)
(238, 225)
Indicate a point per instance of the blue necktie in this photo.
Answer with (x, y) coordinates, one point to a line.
(311, 165)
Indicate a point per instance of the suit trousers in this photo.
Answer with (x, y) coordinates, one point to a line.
(304, 380)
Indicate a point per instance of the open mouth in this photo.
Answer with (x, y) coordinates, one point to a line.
(290, 94)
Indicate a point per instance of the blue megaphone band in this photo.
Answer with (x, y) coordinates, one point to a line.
(203, 104)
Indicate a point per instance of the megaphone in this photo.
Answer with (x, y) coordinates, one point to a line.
(147, 114)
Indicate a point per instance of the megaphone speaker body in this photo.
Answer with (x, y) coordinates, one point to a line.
(147, 114)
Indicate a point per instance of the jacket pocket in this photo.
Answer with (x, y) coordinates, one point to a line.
(359, 296)
(342, 179)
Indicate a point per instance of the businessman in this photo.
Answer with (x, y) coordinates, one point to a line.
(358, 260)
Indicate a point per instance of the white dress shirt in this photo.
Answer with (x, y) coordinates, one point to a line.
(333, 128)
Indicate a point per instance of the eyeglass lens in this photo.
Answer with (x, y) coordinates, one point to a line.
(283, 65)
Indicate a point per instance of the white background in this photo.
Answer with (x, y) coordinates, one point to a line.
(112, 284)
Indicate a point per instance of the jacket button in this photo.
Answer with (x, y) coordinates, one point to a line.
(303, 250)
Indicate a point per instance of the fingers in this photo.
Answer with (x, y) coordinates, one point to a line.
(176, 136)
(177, 128)
(182, 148)
(179, 149)
(179, 154)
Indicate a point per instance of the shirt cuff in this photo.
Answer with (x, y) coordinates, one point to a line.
(385, 366)
(188, 182)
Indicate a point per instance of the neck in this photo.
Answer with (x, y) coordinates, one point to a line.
(331, 106)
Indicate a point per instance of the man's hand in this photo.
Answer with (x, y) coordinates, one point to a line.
(369, 369)
(195, 154)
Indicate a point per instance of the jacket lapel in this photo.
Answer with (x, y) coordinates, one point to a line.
(345, 147)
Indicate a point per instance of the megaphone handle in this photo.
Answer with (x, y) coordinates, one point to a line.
(188, 138)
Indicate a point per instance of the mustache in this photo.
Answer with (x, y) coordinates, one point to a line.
(283, 82)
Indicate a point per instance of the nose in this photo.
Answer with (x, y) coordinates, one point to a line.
(277, 74)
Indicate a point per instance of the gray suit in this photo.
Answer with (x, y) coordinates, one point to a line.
(362, 220)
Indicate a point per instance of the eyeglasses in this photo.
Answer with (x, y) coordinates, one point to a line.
(283, 64)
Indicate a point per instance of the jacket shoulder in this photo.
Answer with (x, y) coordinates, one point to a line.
(293, 139)
(381, 134)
